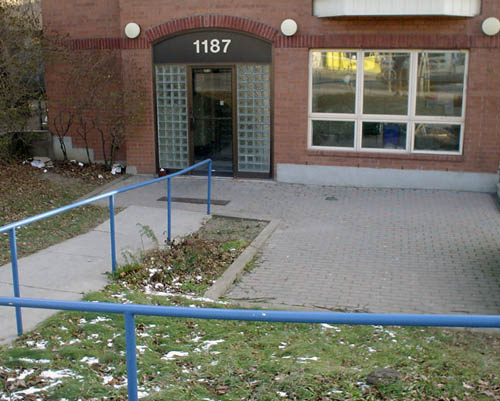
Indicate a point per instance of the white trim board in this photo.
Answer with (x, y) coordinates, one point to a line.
(338, 8)
(386, 178)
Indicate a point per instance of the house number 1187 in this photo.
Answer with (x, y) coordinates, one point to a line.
(212, 46)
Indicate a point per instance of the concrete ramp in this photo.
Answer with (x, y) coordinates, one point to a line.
(74, 267)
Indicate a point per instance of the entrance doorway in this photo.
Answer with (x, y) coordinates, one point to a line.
(213, 100)
(211, 117)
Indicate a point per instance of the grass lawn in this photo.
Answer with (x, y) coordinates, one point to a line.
(81, 356)
(27, 191)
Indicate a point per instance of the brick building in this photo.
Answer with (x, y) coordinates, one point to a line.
(390, 94)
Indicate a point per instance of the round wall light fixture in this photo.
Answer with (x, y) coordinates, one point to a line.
(132, 30)
(491, 26)
(289, 27)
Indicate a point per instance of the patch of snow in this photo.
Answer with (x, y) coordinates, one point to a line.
(141, 348)
(58, 374)
(39, 361)
(22, 376)
(99, 319)
(305, 359)
(34, 390)
(208, 344)
(42, 344)
(148, 291)
(89, 360)
(170, 356)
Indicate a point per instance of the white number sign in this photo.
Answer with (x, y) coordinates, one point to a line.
(213, 46)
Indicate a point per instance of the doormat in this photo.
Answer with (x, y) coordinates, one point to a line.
(198, 201)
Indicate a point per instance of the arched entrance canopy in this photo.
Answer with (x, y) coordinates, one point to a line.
(212, 46)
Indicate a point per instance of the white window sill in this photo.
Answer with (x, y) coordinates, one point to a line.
(343, 8)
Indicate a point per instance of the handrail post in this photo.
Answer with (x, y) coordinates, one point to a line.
(169, 210)
(112, 232)
(15, 278)
(209, 190)
(131, 356)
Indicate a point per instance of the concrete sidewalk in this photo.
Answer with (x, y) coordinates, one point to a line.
(72, 268)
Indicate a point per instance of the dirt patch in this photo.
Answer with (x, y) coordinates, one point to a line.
(223, 229)
(58, 178)
(190, 266)
(64, 172)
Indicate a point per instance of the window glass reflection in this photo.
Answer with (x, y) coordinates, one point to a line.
(386, 83)
(440, 84)
(333, 82)
(333, 133)
(437, 137)
(384, 135)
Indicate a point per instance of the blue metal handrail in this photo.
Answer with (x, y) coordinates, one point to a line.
(131, 310)
(11, 228)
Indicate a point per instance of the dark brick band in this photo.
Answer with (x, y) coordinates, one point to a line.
(267, 32)
(321, 41)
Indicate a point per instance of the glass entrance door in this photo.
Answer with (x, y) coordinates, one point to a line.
(212, 117)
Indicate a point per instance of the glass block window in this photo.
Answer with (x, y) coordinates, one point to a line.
(254, 119)
(171, 100)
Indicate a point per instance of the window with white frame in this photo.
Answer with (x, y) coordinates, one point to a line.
(396, 101)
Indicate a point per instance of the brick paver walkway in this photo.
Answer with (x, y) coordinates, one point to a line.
(376, 250)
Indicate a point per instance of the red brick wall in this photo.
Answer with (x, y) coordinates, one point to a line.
(105, 20)
(141, 151)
